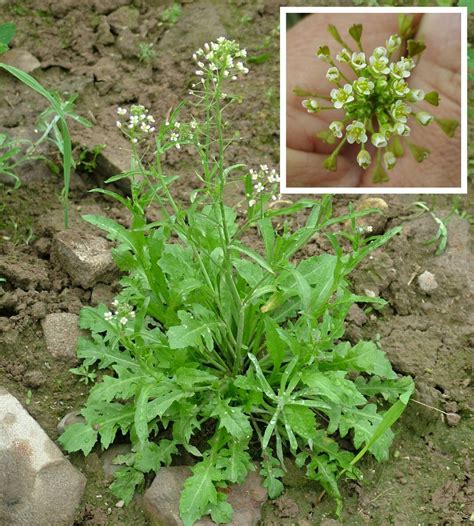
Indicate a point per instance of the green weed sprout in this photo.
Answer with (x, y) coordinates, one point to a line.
(231, 353)
(53, 121)
(379, 105)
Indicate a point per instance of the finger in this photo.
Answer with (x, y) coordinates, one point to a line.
(440, 64)
(306, 170)
(301, 130)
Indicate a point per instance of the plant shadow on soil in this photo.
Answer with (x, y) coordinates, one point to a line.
(427, 335)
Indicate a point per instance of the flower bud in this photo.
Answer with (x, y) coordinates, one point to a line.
(379, 140)
(424, 118)
(311, 105)
(389, 159)
(333, 74)
(364, 159)
(393, 43)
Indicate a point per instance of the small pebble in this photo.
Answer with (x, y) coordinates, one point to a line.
(427, 282)
(120, 504)
(453, 419)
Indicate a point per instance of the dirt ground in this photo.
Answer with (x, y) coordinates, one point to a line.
(428, 335)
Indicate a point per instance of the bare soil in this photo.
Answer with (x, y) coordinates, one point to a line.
(428, 335)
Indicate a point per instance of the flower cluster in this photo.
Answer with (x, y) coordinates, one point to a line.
(121, 313)
(377, 103)
(263, 182)
(181, 133)
(136, 122)
(220, 59)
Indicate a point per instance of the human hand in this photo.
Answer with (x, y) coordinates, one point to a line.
(438, 70)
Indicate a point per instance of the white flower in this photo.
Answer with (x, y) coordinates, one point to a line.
(355, 132)
(119, 124)
(121, 111)
(416, 95)
(193, 124)
(199, 72)
(400, 111)
(274, 177)
(400, 88)
(379, 52)
(358, 60)
(108, 316)
(333, 74)
(363, 86)
(364, 159)
(115, 303)
(134, 140)
(342, 96)
(123, 321)
(379, 140)
(393, 43)
(344, 56)
(336, 128)
(253, 174)
(311, 105)
(379, 65)
(264, 167)
(389, 159)
(424, 118)
(400, 128)
(259, 188)
(252, 202)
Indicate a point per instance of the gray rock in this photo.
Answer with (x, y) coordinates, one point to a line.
(161, 500)
(124, 17)
(74, 417)
(38, 485)
(373, 223)
(453, 419)
(61, 331)
(427, 282)
(22, 59)
(109, 455)
(85, 257)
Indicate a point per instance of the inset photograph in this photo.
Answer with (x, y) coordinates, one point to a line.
(373, 99)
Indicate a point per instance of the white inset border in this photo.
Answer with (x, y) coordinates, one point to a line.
(370, 189)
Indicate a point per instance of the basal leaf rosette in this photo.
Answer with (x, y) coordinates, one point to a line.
(379, 103)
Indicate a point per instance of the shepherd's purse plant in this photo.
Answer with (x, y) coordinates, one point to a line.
(232, 353)
(379, 106)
